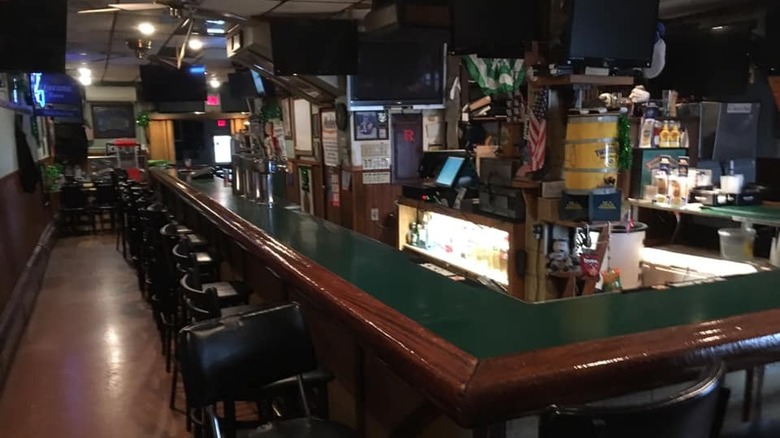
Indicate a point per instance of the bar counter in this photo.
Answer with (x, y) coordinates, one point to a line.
(481, 356)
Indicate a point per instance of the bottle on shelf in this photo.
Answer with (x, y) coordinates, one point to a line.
(665, 136)
(674, 136)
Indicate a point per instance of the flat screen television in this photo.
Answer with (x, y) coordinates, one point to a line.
(398, 73)
(241, 85)
(33, 35)
(695, 69)
(493, 28)
(260, 84)
(306, 46)
(615, 33)
(166, 84)
(230, 104)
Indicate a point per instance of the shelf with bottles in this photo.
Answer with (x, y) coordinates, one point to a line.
(477, 246)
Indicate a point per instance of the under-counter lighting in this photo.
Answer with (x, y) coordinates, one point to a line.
(195, 44)
(146, 28)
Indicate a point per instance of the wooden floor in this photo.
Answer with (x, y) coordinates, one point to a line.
(89, 364)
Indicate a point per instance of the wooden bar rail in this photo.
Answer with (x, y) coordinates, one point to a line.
(570, 351)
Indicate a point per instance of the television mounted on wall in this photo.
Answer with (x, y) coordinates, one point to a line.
(398, 73)
(612, 33)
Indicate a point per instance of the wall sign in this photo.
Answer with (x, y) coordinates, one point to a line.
(55, 95)
(330, 138)
(375, 155)
(373, 178)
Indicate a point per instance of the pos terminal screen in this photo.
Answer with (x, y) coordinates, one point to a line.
(449, 173)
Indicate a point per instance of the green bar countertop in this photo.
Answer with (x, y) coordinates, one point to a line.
(482, 322)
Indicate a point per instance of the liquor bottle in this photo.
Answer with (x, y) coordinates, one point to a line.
(675, 136)
(665, 136)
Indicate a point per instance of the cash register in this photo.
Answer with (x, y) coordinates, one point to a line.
(456, 180)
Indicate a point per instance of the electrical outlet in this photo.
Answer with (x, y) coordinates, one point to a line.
(375, 215)
(538, 230)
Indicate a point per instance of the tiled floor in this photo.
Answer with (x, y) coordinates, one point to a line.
(89, 364)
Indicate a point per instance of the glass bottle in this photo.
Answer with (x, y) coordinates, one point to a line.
(665, 136)
(674, 137)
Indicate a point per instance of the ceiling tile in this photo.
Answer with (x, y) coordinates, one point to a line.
(241, 7)
(309, 7)
(328, 1)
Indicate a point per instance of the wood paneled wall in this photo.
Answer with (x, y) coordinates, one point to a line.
(22, 221)
(362, 198)
(161, 141)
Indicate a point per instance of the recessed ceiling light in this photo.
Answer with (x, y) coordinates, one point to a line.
(195, 44)
(85, 71)
(146, 28)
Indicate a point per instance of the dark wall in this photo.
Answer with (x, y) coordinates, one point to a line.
(22, 221)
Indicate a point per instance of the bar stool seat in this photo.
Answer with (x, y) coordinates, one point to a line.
(232, 291)
(299, 428)
(202, 257)
(222, 357)
(197, 243)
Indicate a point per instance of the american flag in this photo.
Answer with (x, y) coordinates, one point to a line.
(537, 131)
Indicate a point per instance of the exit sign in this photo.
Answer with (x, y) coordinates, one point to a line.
(212, 100)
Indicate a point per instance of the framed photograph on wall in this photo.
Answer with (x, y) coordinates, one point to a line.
(315, 126)
(287, 121)
(371, 125)
(113, 120)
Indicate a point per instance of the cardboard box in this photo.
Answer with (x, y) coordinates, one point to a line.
(604, 206)
(601, 205)
(574, 207)
(548, 209)
(552, 189)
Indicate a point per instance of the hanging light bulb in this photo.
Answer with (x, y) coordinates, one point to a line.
(195, 44)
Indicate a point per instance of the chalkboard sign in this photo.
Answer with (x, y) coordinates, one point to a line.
(113, 121)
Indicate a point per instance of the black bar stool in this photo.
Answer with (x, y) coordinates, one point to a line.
(695, 411)
(222, 357)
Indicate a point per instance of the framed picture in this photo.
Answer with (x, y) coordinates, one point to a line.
(371, 125)
(315, 126)
(304, 141)
(287, 121)
(113, 120)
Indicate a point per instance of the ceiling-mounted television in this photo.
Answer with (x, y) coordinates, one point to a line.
(305, 46)
(399, 73)
(33, 35)
(241, 85)
(263, 87)
(493, 28)
(612, 33)
(167, 84)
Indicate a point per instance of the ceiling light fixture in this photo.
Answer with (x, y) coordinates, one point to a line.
(718, 27)
(195, 44)
(146, 28)
(214, 83)
(215, 31)
(85, 76)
